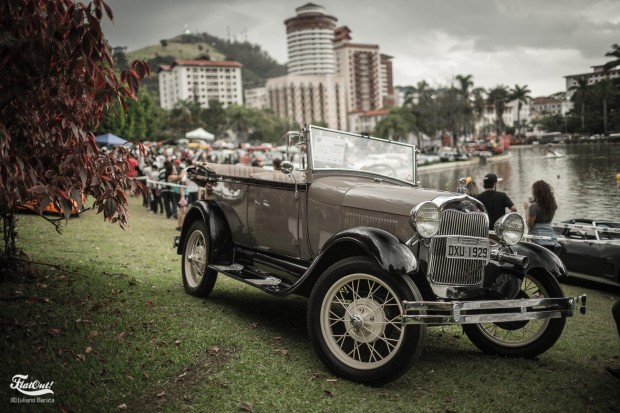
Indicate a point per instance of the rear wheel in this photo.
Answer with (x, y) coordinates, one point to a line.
(354, 322)
(527, 338)
(198, 279)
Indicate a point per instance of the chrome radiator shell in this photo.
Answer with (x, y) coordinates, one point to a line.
(457, 272)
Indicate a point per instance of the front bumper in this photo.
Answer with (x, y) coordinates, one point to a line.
(490, 311)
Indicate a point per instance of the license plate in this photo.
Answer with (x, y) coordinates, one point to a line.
(468, 248)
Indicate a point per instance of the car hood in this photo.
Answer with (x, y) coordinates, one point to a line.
(373, 196)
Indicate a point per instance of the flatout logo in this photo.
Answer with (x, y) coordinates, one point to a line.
(31, 388)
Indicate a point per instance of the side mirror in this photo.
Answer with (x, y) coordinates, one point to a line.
(286, 167)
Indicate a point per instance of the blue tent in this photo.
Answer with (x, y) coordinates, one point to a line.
(110, 139)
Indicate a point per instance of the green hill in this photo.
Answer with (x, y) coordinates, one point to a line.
(258, 66)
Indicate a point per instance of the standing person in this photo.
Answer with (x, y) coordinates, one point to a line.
(539, 213)
(167, 195)
(146, 172)
(156, 200)
(493, 200)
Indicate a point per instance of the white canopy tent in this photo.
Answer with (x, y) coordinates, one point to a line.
(200, 133)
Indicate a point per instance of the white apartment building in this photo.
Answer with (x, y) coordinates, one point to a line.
(593, 77)
(306, 99)
(545, 106)
(256, 98)
(202, 81)
(366, 121)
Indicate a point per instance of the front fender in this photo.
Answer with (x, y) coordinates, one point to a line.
(219, 232)
(388, 251)
(541, 257)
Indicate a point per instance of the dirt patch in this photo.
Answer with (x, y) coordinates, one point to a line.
(179, 388)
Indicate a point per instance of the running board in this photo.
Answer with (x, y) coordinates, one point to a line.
(262, 280)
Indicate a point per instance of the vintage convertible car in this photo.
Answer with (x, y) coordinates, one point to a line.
(379, 257)
(590, 248)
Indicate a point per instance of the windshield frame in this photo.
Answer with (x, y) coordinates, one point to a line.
(401, 148)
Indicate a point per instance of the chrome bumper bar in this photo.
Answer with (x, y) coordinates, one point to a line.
(491, 311)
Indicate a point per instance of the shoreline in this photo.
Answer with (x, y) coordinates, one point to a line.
(455, 164)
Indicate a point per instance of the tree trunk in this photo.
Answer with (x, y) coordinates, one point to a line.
(10, 251)
(605, 116)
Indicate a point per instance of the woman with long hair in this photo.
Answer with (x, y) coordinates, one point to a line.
(539, 212)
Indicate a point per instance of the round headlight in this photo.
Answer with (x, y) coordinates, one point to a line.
(425, 219)
(510, 228)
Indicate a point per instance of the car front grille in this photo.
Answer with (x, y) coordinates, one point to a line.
(457, 271)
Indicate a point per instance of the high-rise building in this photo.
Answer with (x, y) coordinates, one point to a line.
(328, 75)
(309, 36)
(201, 81)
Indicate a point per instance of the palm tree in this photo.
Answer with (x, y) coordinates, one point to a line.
(522, 95)
(479, 103)
(240, 120)
(604, 89)
(396, 125)
(465, 83)
(498, 96)
(582, 90)
(615, 53)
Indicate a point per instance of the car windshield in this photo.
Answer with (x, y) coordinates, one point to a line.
(332, 149)
(609, 235)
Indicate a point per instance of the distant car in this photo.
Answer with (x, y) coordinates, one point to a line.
(588, 251)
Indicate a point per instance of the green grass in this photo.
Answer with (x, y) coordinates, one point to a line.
(117, 329)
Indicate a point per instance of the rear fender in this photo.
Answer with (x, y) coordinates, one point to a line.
(541, 257)
(219, 232)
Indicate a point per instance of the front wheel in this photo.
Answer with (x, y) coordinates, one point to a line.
(522, 338)
(354, 322)
(198, 279)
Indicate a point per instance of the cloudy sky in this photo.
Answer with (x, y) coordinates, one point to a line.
(508, 42)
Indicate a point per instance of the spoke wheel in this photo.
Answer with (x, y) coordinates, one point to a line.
(354, 322)
(527, 338)
(198, 279)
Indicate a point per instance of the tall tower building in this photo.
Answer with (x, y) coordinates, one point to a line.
(310, 37)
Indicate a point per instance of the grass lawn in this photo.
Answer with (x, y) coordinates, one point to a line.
(110, 324)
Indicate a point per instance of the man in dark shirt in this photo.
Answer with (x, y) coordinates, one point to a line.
(494, 201)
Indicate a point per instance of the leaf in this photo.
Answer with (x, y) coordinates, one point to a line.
(39, 189)
(88, 350)
(247, 407)
(108, 11)
(214, 350)
(55, 331)
(122, 406)
(121, 336)
(161, 394)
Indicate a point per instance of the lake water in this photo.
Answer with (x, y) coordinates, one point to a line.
(584, 180)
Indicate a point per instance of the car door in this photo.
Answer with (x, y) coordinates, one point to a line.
(581, 252)
(608, 253)
(276, 216)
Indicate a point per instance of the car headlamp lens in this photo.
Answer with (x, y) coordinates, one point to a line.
(425, 219)
(510, 228)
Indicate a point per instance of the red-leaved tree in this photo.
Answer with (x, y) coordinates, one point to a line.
(56, 79)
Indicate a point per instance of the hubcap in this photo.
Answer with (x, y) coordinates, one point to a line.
(367, 320)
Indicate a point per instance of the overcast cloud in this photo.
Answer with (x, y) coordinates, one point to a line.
(525, 42)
